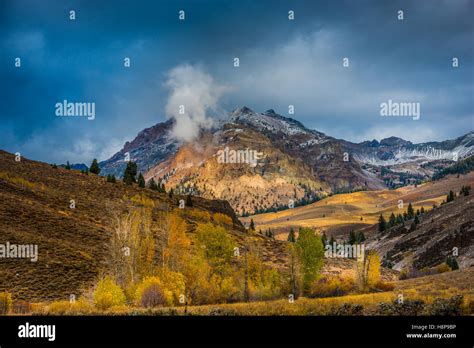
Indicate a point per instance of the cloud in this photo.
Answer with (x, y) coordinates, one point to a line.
(193, 100)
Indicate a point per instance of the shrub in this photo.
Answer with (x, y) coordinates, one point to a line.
(222, 219)
(442, 268)
(108, 294)
(407, 307)
(384, 286)
(82, 306)
(5, 303)
(151, 293)
(450, 306)
(334, 286)
(347, 309)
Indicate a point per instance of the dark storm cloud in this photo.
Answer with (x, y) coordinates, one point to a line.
(282, 62)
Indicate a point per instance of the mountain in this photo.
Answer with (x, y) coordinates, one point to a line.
(296, 165)
(149, 147)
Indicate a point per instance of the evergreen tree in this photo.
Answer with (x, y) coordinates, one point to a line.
(392, 220)
(324, 239)
(141, 181)
(422, 210)
(382, 223)
(170, 194)
(111, 178)
(399, 219)
(94, 167)
(130, 173)
(252, 225)
(360, 237)
(410, 211)
(452, 263)
(291, 236)
(450, 197)
(153, 186)
(332, 241)
(417, 220)
(189, 202)
(68, 166)
(465, 190)
(352, 238)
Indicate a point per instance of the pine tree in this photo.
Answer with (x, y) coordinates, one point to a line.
(410, 211)
(382, 223)
(417, 220)
(391, 221)
(399, 219)
(111, 178)
(68, 166)
(450, 197)
(94, 167)
(153, 186)
(422, 210)
(291, 236)
(360, 237)
(189, 201)
(141, 181)
(170, 194)
(130, 173)
(352, 238)
(324, 239)
(452, 263)
(252, 225)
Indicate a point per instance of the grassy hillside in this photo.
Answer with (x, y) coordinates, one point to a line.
(73, 244)
(339, 214)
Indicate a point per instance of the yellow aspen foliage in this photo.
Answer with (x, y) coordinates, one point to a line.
(108, 294)
(368, 270)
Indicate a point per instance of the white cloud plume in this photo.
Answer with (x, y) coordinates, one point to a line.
(194, 99)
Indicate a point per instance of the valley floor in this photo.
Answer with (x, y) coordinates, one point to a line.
(449, 293)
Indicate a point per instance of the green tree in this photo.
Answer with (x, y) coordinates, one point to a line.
(170, 194)
(152, 185)
(68, 166)
(324, 239)
(352, 238)
(452, 263)
(111, 178)
(141, 181)
(382, 223)
(252, 225)
(450, 197)
(392, 220)
(410, 211)
(130, 173)
(189, 201)
(417, 220)
(217, 245)
(94, 167)
(291, 236)
(360, 237)
(311, 253)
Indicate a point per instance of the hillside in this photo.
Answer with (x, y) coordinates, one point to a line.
(339, 214)
(73, 243)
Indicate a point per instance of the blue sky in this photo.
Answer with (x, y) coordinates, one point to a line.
(282, 62)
